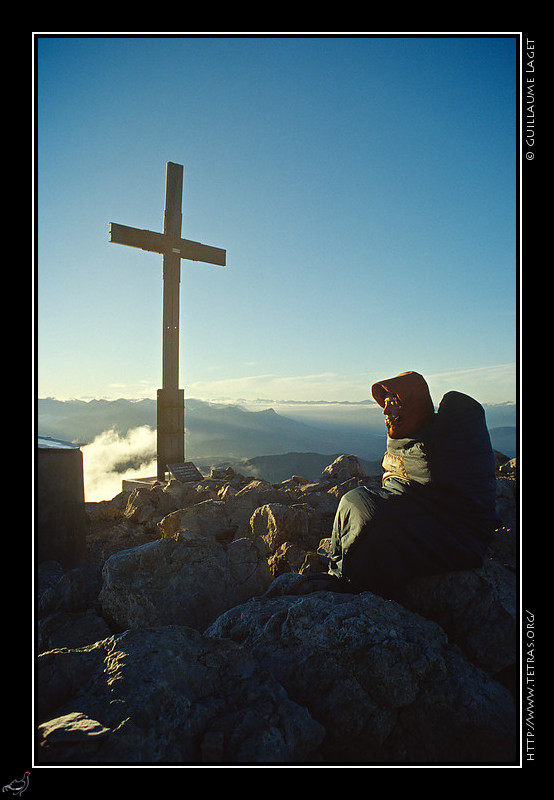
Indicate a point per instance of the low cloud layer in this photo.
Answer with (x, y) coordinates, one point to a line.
(106, 460)
(491, 384)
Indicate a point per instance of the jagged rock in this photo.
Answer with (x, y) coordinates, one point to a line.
(140, 506)
(276, 524)
(477, 608)
(343, 468)
(107, 510)
(223, 473)
(292, 483)
(222, 510)
(175, 495)
(506, 499)
(49, 574)
(508, 467)
(341, 488)
(255, 494)
(64, 591)
(147, 506)
(188, 580)
(324, 549)
(288, 557)
(167, 696)
(320, 525)
(71, 732)
(383, 681)
(209, 518)
(105, 541)
(65, 629)
(323, 501)
(313, 562)
(288, 535)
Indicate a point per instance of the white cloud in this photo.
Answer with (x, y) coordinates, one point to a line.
(322, 386)
(494, 384)
(107, 452)
(487, 384)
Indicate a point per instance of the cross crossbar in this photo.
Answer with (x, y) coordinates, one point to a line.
(165, 245)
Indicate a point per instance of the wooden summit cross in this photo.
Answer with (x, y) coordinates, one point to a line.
(170, 401)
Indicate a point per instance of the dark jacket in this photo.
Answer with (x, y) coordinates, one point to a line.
(449, 464)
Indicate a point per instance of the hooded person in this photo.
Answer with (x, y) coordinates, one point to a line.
(410, 395)
(435, 511)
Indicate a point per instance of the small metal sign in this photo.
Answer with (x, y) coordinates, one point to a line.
(185, 472)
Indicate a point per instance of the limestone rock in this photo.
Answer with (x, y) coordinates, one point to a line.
(223, 473)
(209, 518)
(323, 501)
(140, 506)
(288, 558)
(277, 524)
(255, 494)
(167, 696)
(189, 580)
(220, 655)
(64, 591)
(107, 509)
(49, 574)
(506, 499)
(477, 608)
(65, 629)
(383, 681)
(343, 468)
(147, 506)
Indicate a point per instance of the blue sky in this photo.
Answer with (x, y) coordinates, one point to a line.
(363, 187)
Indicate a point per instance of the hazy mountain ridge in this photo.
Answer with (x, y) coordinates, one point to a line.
(215, 431)
(228, 433)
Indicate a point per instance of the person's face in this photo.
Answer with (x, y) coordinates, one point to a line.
(391, 409)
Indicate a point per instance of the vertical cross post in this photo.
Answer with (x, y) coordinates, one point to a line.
(170, 399)
(171, 277)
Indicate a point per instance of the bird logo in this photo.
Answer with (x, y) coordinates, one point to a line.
(17, 787)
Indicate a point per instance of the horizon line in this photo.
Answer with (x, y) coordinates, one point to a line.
(239, 400)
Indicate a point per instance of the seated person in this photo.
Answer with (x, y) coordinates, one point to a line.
(435, 511)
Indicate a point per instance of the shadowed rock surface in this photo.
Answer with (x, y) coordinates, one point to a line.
(185, 637)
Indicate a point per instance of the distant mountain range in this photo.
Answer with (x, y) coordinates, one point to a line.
(222, 433)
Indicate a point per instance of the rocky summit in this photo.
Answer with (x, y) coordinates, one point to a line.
(185, 638)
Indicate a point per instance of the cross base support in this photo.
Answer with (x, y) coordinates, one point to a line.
(171, 428)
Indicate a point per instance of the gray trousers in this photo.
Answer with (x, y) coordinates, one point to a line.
(383, 538)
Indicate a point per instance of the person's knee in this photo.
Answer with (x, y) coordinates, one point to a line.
(354, 518)
(361, 502)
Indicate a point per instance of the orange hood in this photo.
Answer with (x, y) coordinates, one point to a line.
(415, 400)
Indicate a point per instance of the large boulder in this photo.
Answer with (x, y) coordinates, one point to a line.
(276, 524)
(506, 499)
(343, 468)
(187, 580)
(167, 696)
(284, 534)
(66, 629)
(386, 684)
(222, 664)
(477, 608)
(255, 494)
(209, 518)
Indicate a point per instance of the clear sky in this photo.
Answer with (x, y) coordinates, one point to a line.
(364, 189)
